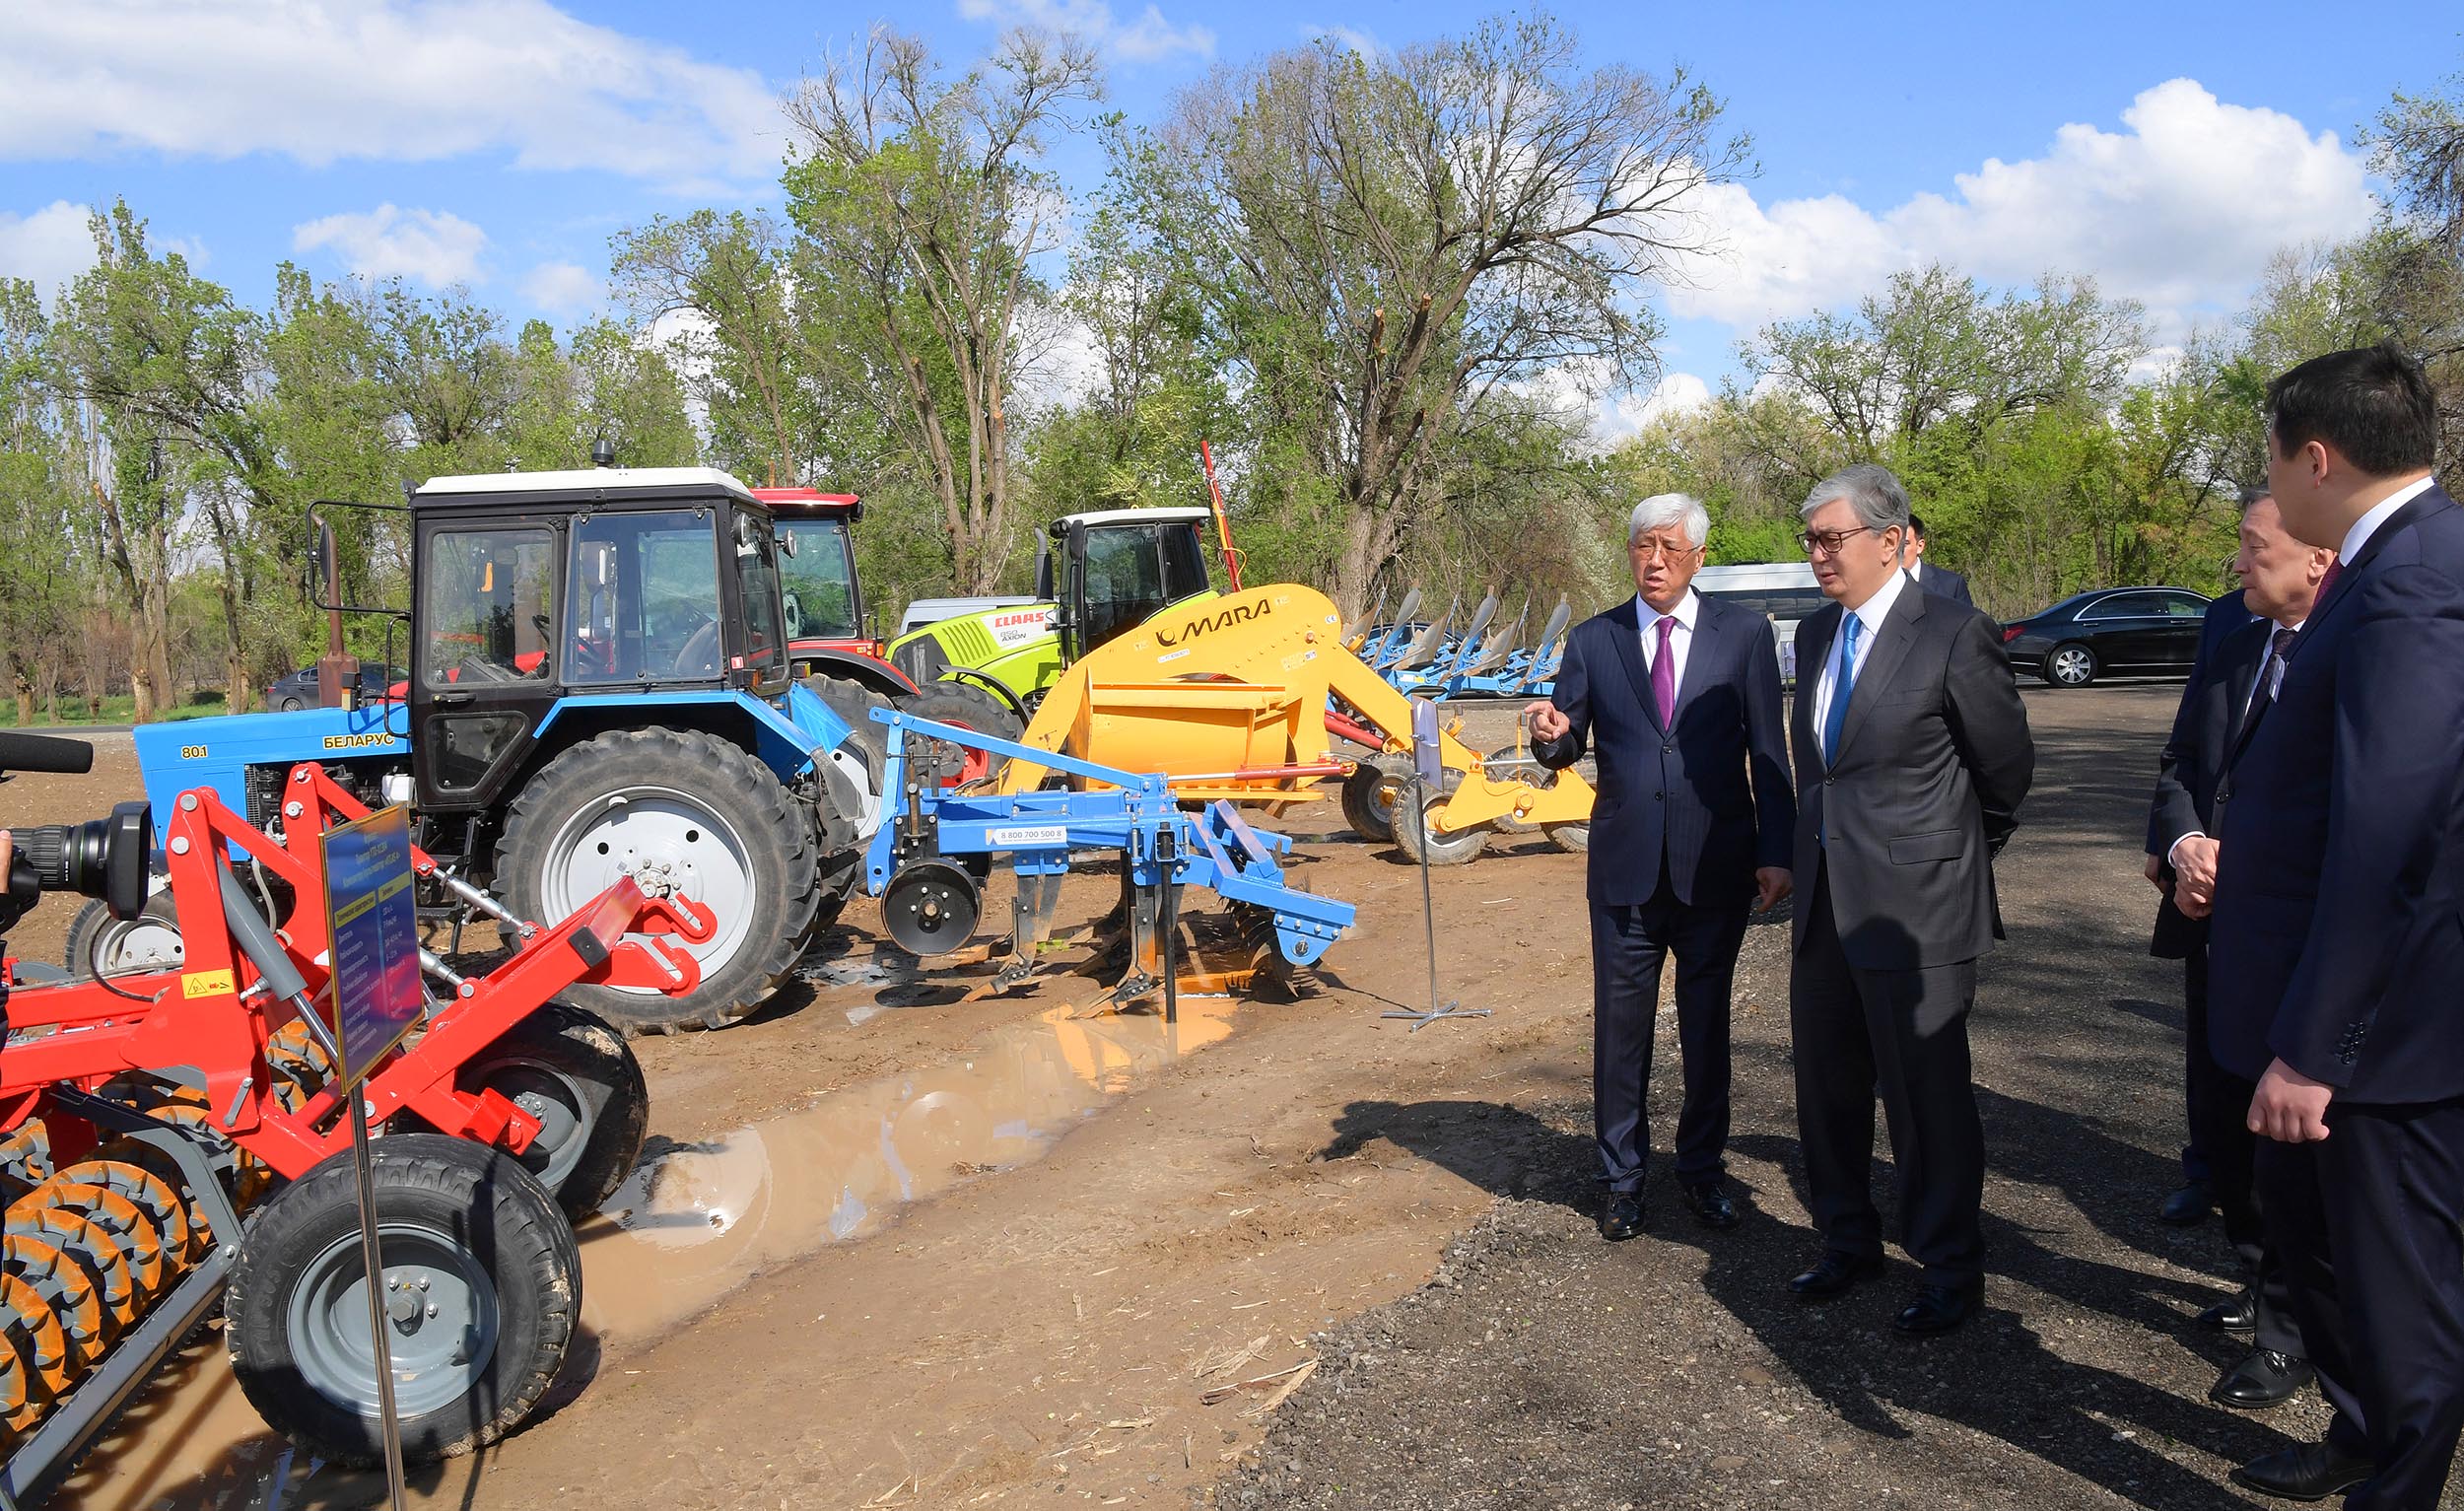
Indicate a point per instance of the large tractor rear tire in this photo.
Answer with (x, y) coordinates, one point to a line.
(677, 810)
(573, 1072)
(481, 1279)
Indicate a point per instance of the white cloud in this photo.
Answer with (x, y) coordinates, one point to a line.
(432, 247)
(1350, 38)
(1145, 39)
(48, 247)
(564, 287)
(1676, 394)
(319, 81)
(2180, 210)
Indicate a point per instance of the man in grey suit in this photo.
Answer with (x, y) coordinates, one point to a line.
(1912, 754)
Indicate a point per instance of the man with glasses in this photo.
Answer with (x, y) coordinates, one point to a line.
(2229, 687)
(1912, 755)
(1679, 696)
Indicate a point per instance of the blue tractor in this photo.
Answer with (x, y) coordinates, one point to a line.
(599, 686)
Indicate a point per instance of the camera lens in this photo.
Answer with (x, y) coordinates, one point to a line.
(103, 858)
(61, 855)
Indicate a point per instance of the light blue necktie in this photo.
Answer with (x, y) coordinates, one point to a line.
(1837, 713)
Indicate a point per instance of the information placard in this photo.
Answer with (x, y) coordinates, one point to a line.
(373, 922)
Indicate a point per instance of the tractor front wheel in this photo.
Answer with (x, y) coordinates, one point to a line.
(969, 708)
(679, 811)
(482, 1286)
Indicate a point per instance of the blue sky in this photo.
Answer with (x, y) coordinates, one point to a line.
(2166, 148)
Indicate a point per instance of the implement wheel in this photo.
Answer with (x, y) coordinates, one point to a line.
(574, 1074)
(1369, 796)
(483, 1291)
(677, 810)
(1443, 849)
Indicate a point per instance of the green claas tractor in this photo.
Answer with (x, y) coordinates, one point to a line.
(1096, 576)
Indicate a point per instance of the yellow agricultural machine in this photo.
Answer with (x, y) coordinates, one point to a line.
(1240, 697)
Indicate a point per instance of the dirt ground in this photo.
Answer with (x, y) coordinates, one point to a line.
(1397, 1223)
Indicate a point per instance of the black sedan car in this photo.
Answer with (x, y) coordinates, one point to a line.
(298, 689)
(2114, 629)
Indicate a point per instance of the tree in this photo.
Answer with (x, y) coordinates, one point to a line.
(41, 510)
(1384, 244)
(2418, 254)
(920, 211)
(729, 278)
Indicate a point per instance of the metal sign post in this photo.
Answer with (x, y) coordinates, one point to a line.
(372, 922)
(1427, 766)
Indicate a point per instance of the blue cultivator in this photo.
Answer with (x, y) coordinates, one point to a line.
(935, 846)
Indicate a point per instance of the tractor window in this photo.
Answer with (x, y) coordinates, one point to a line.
(1124, 581)
(820, 581)
(643, 590)
(1185, 564)
(757, 584)
(487, 608)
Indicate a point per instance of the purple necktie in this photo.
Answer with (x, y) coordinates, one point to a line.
(1664, 672)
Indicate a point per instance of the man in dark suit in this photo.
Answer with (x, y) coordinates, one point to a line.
(2186, 775)
(1679, 696)
(2279, 582)
(1912, 755)
(2337, 935)
(1941, 582)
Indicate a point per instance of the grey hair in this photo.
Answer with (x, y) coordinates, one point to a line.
(1870, 489)
(2250, 496)
(1671, 508)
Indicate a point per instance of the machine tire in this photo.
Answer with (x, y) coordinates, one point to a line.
(129, 948)
(2070, 665)
(1449, 849)
(969, 708)
(572, 1070)
(1366, 807)
(292, 705)
(712, 793)
(464, 1216)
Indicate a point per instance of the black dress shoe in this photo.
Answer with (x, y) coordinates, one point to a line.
(2187, 1205)
(2309, 1471)
(2262, 1378)
(1623, 1216)
(1937, 1309)
(1836, 1273)
(2238, 1315)
(1711, 1203)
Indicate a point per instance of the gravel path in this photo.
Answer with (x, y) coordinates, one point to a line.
(1545, 1368)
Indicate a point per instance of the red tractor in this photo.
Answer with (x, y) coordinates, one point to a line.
(829, 635)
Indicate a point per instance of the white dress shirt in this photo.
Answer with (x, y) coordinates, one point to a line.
(1875, 610)
(1680, 638)
(2367, 525)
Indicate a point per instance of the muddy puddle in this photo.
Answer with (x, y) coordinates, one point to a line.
(694, 1222)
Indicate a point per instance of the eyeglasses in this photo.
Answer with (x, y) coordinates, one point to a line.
(1829, 543)
(1650, 550)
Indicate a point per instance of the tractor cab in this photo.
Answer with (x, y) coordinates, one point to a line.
(1117, 569)
(534, 587)
(824, 600)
